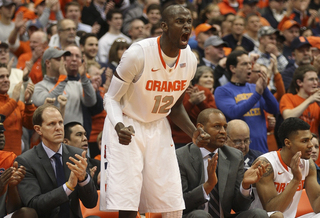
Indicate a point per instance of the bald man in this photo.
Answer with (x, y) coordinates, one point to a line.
(238, 133)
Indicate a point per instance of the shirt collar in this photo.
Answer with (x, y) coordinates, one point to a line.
(49, 152)
(205, 153)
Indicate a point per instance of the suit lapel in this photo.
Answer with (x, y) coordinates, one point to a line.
(197, 162)
(223, 167)
(45, 162)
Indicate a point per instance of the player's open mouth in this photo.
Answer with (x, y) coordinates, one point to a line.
(185, 38)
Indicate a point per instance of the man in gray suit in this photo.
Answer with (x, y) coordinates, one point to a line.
(199, 176)
(51, 188)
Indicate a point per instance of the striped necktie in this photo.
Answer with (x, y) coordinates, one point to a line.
(214, 208)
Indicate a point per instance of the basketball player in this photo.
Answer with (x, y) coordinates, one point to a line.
(149, 84)
(290, 170)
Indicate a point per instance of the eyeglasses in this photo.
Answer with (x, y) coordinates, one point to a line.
(5, 50)
(255, 71)
(121, 40)
(239, 142)
(69, 29)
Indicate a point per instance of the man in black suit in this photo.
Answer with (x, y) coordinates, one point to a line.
(199, 176)
(51, 188)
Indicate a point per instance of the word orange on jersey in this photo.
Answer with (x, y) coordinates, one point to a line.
(281, 186)
(166, 86)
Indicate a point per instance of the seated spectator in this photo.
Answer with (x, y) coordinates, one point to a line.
(290, 30)
(239, 99)
(315, 153)
(303, 97)
(65, 78)
(196, 99)
(38, 44)
(250, 7)
(213, 177)
(76, 136)
(17, 113)
(289, 170)
(302, 56)
(238, 134)
(73, 12)
(10, 176)
(236, 37)
(66, 34)
(52, 185)
(274, 12)
(114, 19)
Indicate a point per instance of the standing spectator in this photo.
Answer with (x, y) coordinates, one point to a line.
(17, 113)
(302, 56)
(236, 37)
(268, 45)
(274, 12)
(38, 44)
(252, 28)
(290, 30)
(213, 51)
(73, 12)
(89, 46)
(96, 12)
(239, 99)
(7, 8)
(303, 97)
(114, 19)
(66, 34)
(250, 7)
(229, 6)
(57, 175)
(56, 82)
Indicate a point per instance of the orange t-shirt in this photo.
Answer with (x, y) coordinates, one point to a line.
(6, 160)
(36, 71)
(311, 115)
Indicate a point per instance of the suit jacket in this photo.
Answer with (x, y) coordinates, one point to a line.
(230, 175)
(39, 188)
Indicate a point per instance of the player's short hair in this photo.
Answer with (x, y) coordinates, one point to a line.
(67, 129)
(204, 115)
(290, 126)
(37, 118)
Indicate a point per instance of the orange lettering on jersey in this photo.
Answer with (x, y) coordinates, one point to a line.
(282, 186)
(165, 86)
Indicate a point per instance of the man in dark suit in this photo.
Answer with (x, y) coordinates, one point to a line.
(51, 188)
(199, 176)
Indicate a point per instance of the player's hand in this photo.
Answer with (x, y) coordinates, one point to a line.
(295, 166)
(253, 174)
(124, 133)
(212, 175)
(200, 137)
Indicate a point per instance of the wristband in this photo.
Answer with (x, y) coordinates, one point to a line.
(67, 184)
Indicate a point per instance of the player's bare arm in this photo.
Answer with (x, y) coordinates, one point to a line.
(312, 187)
(269, 197)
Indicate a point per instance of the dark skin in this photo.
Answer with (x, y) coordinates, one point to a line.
(176, 28)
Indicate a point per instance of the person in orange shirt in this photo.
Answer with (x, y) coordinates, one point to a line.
(230, 6)
(10, 176)
(38, 44)
(18, 113)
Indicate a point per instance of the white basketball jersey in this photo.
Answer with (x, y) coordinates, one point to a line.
(283, 175)
(152, 96)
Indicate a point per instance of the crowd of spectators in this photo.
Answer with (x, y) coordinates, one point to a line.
(258, 61)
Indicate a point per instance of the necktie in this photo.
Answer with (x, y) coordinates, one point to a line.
(64, 208)
(214, 208)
